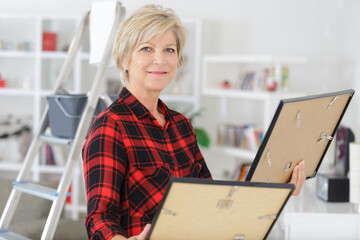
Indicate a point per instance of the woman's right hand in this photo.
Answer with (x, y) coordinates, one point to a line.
(141, 236)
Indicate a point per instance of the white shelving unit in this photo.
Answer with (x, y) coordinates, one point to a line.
(31, 73)
(218, 68)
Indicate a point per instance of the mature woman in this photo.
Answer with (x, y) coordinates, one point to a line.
(137, 144)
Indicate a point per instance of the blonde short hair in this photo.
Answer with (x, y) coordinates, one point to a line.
(142, 25)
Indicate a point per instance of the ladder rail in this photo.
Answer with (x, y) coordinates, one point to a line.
(72, 52)
(35, 145)
(14, 197)
(84, 124)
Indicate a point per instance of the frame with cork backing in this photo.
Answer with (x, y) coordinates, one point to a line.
(214, 210)
(301, 129)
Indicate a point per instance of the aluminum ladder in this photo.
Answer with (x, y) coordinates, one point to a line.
(59, 195)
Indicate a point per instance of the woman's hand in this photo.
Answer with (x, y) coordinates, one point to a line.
(141, 236)
(298, 177)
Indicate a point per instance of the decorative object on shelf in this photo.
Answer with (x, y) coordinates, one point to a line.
(7, 45)
(15, 132)
(344, 136)
(65, 48)
(272, 81)
(226, 84)
(26, 83)
(49, 41)
(285, 79)
(2, 82)
(202, 136)
(23, 46)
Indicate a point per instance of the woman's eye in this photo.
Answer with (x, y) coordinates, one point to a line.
(145, 49)
(170, 50)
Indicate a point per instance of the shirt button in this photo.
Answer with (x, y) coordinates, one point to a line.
(164, 135)
(173, 161)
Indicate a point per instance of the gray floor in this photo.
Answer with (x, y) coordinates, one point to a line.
(31, 213)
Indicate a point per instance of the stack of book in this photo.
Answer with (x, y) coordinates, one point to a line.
(263, 80)
(239, 136)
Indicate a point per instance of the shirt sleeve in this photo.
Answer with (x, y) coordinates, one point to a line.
(105, 164)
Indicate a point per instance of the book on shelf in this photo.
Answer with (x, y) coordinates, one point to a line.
(53, 156)
(49, 155)
(239, 136)
(241, 172)
(262, 80)
(49, 41)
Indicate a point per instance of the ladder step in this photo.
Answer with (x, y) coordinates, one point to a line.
(7, 235)
(55, 140)
(36, 190)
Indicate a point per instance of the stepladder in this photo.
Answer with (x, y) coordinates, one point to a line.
(41, 136)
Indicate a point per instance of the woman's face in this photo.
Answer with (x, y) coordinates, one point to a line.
(153, 64)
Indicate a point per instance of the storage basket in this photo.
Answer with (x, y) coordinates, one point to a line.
(65, 112)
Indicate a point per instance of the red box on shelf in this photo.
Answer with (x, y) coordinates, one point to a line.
(49, 41)
(2, 82)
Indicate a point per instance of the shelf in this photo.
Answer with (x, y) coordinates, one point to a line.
(15, 167)
(252, 95)
(237, 94)
(253, 59)
(85, 56)
(80, 208)
(51, 169)
(17, 54)
(10, 166)
(46, 92)
(177, 98)
(16, 92)
(236, 152)
(53, 55)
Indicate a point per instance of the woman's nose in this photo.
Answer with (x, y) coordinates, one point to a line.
(159, 58)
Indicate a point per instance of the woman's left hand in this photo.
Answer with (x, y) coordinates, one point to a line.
(298, 177)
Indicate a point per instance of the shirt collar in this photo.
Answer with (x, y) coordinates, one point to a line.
(138, 108)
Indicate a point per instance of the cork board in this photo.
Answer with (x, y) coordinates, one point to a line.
(204, 209)
(302, 129)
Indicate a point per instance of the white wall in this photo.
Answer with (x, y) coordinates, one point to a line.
(319, 30)
(326, 32)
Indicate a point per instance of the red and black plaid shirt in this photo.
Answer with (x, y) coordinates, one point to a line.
(128, 161)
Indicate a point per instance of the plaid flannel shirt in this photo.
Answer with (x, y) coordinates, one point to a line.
(128, 161)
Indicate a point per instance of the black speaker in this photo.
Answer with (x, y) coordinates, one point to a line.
(332, 187)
